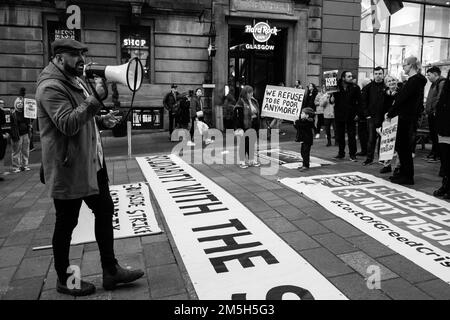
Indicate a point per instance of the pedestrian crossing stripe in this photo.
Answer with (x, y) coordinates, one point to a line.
(228, 252)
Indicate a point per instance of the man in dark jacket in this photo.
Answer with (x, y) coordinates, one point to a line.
(170, 103)
(407, 107)
(372, 102)
(437, 84)
(306, 133)
(347, 101)
(443, 131)
(73, 162)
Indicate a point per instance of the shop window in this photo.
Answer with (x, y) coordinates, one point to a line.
(437, 22)
(366, 18)
(135, 42)
(408, 20)
(366, 50)
(436, 51)
(401, 47)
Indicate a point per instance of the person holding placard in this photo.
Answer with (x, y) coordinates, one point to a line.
(20, 130)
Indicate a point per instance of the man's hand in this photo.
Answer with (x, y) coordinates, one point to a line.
(100, 88)
(356, 118)
(368, 117)
(386, 117)
(110, 120)
(6, 135)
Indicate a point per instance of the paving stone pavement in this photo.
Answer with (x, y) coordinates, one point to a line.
(335, 248)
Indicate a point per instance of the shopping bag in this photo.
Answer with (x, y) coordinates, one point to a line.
(201, 127)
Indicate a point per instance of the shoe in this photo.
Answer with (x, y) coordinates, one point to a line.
(17, 170)
(282, 133)
(208, 141)
(430, 155)
(26, 169)
(121, 276)
(32, 149)
(297, 140)
(433, 160)
(329, 143)
(353, 159)
(361, 154)
(446, 196)
(243, 165)
(255, 164)
(403, 181)
(386, 169)
(86, 288)
(367, 162)
(301, 169)
(396, 172)
(190, 144)
(339, 156)
(445, 188)
(317, 136)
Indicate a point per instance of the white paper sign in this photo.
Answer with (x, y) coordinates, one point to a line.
(133, 214)
(228, 252)
(388, 136)
(409, 222)
(30, 108)
(282, 102)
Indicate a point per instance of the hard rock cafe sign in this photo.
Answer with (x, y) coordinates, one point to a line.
(261, 31)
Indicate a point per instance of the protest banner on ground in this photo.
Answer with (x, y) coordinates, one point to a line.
(388, 136)
(412, 223)
(30, 108)
(331, 80)
(291, 159)
(133, 215)
(282, 102)
(228, 252)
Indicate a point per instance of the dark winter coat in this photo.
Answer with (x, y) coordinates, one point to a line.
(19, 125)
(347, 103)
(372, 101)
(434, 93)
(408, 104)
(306, 130)
(68, 136)
(170, 102)
(196, 105)
(242, 114)
(443, 111)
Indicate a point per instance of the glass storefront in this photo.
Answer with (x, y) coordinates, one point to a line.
(422, 30)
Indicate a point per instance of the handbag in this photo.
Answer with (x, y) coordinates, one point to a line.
(201, 127)
(199, 114)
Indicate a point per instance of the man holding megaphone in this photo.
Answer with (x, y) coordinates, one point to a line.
(73, 164)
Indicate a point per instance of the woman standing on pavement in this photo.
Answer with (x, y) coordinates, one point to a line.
(20, 130)
(328, 114)
(319, 120)
(246, 116)
(196, 106)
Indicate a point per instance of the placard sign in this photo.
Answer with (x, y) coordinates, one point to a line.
(282, 102)
(331, 80)
(388, 137)
(30, 108)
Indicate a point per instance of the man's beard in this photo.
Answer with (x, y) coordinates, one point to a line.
(75, 72)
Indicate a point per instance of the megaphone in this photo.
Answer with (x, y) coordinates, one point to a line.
(129, 74)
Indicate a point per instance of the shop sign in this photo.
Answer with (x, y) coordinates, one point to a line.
(261, 31)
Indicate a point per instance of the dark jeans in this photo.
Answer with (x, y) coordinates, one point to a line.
(371, 138)
(320, 121)
(444, 149)
(350, 127)
(172, 122)
(255, 125)
(192, 130)
(305, 151)
(328, 124)
(363, 135)
(405, 131)
(433, 135)
(67, 212)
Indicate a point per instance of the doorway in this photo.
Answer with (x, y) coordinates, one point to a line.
(255, 63)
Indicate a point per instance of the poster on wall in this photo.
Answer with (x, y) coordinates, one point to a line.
(282, 102)
(331, 81)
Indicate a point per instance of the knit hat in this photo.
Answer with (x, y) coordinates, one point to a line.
(310, 112)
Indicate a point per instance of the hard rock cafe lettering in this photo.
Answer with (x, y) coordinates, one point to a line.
(261, 31)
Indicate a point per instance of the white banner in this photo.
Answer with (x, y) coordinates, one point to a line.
(282, 102)
(30, 108)
(133, 214)
(291, 159)
(228, 252)
(388, 136)
(409, 222)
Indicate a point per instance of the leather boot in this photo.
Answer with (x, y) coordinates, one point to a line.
(110, 280)
(445, 188)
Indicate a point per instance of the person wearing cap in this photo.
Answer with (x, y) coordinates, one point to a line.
(73, 164)
(20, 135)
(170, 103)
(305, 135)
